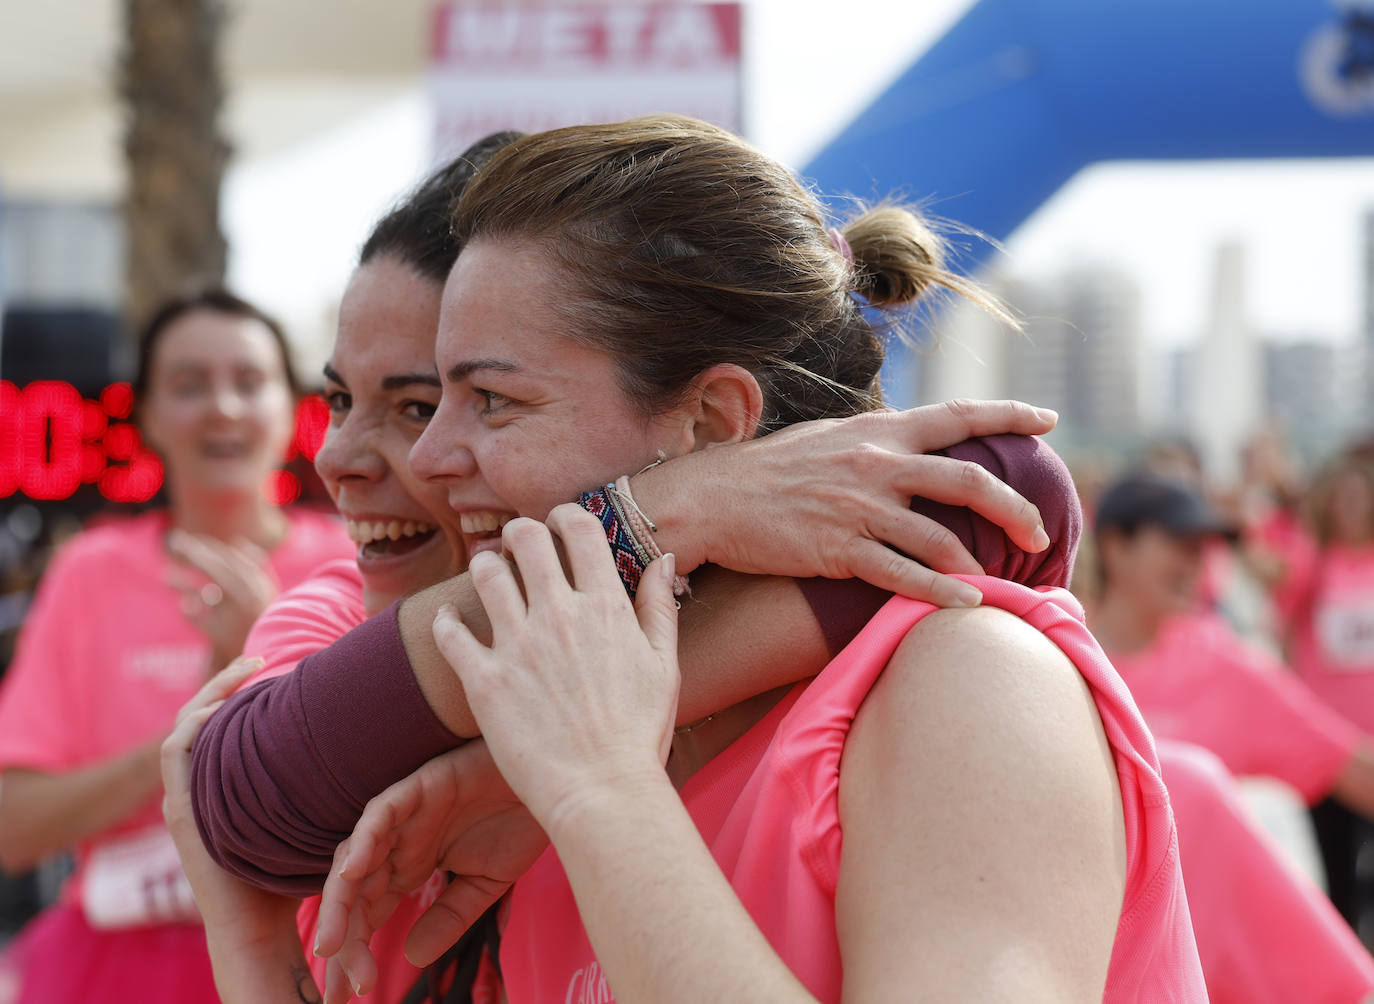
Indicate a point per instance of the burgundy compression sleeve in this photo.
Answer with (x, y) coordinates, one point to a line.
(281, 773)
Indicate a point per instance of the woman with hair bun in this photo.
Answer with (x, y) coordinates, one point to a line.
(964, 804)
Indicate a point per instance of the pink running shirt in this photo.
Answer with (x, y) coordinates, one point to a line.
(105, 661)
(1266, 935)
(106, 658)
(1199, 683)
(768, 809)
(1330, 599)
(299, 623)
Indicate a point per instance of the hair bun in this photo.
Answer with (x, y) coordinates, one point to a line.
(897, 256)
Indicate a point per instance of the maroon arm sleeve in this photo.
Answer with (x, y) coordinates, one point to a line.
(281, 773)
(843, 606)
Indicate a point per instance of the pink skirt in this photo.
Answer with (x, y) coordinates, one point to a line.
(60, 959)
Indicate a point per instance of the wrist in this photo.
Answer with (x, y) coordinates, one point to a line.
(611, 799)
(672, 495)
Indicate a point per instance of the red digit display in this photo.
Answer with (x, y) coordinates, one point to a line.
(52, 441)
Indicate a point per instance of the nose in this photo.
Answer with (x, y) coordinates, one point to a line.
(442, 452)
(226, 401)
(349, 453)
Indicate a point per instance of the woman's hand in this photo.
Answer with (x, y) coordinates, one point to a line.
(234, 586)
(457, 814)
(832, 498)
(251, 934)
(578, 691)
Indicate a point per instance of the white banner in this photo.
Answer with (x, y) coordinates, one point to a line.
(531, 68)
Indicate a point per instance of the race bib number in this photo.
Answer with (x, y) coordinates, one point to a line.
(1345, 632)
(137, 880)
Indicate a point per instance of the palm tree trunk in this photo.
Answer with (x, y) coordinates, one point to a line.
(176, 155)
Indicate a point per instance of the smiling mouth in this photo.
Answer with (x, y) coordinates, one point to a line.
(483, 525)
(223, 450)
(381, 538)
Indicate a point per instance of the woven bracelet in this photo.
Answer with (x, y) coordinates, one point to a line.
(628, 532)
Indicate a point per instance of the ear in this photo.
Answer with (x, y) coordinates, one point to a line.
(724, 405)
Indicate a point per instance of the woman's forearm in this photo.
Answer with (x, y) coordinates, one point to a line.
(740, 635)
(42, 813)
(275, 972)
(664, 922)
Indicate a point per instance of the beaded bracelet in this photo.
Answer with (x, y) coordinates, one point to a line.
(629, 532)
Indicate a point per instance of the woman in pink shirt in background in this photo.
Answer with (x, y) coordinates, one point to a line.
(1195, 681)
(1326, 601)
(130, 619)
(382, 388)
(962, 847)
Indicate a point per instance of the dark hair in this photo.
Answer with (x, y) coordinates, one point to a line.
(417, 231)
(686, 248)
(214, 300)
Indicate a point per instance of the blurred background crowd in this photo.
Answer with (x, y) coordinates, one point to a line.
(1185, 224)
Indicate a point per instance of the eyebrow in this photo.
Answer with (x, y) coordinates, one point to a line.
(458, 371)
(393, 382)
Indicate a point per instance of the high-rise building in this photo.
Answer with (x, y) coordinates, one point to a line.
(1312, 392)
(1079, 353)
(1225, 405)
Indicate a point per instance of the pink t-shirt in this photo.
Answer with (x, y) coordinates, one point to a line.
(1265, 933)
(768, 808)
(1331, 600)
(106, 658)
(1199, 683)
(300, 622)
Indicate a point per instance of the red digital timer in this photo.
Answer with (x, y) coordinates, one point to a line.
(53, 441)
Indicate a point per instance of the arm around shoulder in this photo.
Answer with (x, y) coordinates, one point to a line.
(984, 845)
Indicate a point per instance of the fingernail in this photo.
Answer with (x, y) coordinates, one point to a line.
(357, 986)
(967, 596)
(1040, 539)
(668, 568)
(1047, 414)
(316, 947)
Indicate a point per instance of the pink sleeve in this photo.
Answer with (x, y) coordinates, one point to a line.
(1265, 934)
(40, 685)
(305, 619)
(1279, 727)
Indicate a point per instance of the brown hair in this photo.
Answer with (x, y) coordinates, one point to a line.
(213, 301)
(686, 247)
(1357, 459)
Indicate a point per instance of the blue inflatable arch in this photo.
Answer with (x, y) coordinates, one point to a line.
(1021, 94)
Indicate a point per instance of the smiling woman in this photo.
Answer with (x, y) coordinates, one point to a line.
(382, 393)
(130, 619)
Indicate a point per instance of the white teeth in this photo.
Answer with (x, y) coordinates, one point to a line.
(485, 521)
(365, 532)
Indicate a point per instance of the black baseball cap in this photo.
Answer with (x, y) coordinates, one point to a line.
(1149, 499)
